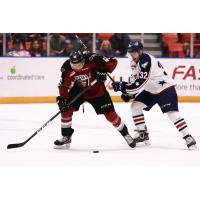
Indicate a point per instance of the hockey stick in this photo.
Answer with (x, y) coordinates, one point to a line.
(110, 77)
(81, 42)
(17, 145)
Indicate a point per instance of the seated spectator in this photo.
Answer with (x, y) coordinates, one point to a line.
(69, 47)
(18, 49)
(57, 44)
(106, 49)
(22, 37)
(36, 48)
(120, 42)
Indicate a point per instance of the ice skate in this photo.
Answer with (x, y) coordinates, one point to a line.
(63, 143)
(131, 142)
(190, 142)
(141, 136)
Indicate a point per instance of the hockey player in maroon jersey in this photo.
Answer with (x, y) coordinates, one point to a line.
(77, 73)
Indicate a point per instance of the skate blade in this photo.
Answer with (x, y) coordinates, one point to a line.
(147, 143)
(65, 146)
(193, 147)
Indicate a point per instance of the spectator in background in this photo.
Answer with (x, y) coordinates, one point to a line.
(18, 49)
(106, 49)
(120, 42)
(22, 37)
(57, 44)
(69, 47)
(36, 48)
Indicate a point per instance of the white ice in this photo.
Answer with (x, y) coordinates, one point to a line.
(92, 132)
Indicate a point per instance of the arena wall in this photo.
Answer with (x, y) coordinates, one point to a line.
(35, 80)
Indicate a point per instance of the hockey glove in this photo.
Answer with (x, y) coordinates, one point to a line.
(125, 97)
(62, 103)
(101, 75)
(119, 86)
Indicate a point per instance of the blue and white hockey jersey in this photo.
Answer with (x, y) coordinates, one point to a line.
(148, 74)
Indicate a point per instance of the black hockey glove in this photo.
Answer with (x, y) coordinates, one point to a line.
(119, 86)
(101, 75)
(62, 103)
(125, 97)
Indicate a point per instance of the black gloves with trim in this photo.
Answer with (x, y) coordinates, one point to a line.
(62, 103)
(119, 86)
(101, 75)
(125, 97)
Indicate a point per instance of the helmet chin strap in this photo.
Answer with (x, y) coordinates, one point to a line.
(77, 66)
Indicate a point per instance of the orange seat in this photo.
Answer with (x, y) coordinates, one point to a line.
(186, 37)
(175, 49)
(170, 38)
(105, 36)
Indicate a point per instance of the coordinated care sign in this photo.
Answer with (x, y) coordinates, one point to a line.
(29, 77)
(39, 77)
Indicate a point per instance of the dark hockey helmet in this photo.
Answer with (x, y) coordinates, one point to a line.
(135, 47)
(76, 57)
(76, 60)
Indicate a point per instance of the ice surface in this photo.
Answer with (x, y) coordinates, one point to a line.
(92, 132)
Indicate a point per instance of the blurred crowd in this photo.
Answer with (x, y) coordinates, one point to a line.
(62, 44)
(107, 44)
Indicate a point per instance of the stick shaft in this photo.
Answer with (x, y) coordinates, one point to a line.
(110, 77)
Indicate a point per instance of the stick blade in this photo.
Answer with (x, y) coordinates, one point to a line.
(17, 145)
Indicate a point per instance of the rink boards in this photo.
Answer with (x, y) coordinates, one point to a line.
(35, 80)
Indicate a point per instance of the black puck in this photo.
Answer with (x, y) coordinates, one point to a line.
(95, 151)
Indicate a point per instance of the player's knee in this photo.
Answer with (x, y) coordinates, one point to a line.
(116, 121)
(137, 107)
(173, 116)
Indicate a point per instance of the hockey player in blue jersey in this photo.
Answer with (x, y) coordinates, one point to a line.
(151, 85)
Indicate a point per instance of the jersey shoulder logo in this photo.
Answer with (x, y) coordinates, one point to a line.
(144, 65)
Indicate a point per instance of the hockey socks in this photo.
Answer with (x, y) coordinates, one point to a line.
(139, 121)
(182, 127)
